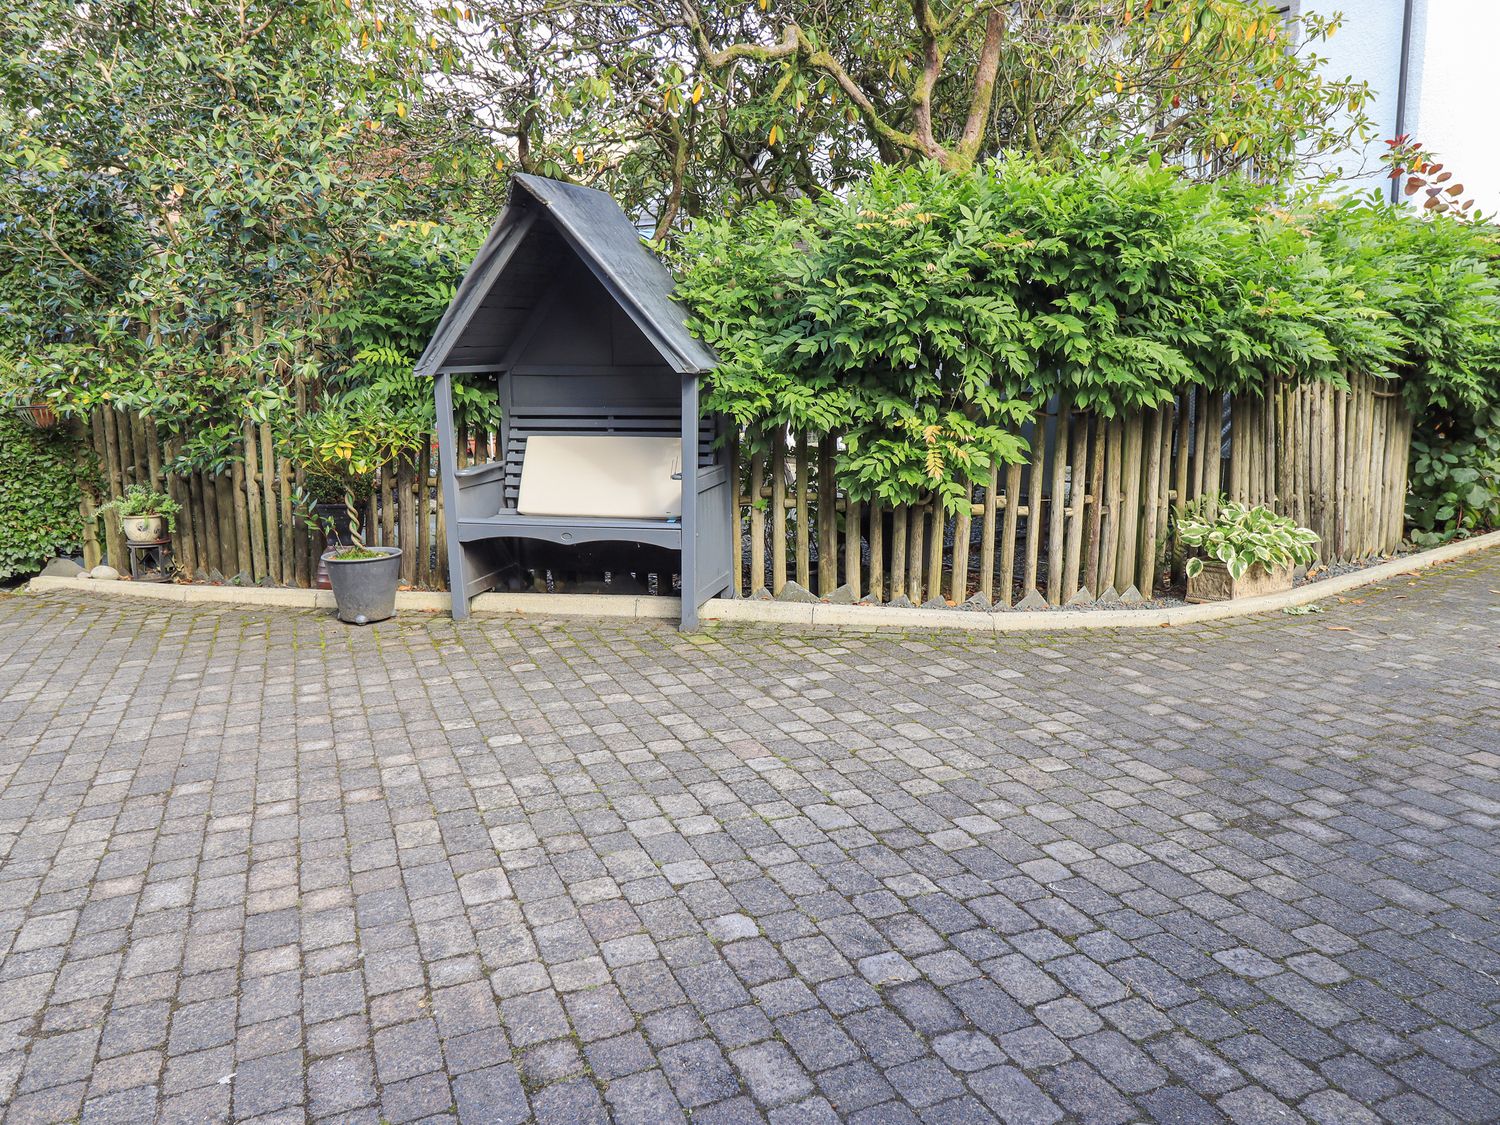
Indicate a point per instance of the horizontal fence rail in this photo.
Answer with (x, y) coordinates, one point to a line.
(1089, 512)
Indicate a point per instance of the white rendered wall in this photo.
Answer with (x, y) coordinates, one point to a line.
(1454, 100)
(1366, 48)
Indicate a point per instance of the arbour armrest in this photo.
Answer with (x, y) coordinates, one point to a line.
(481, 489)
(480, 474)
(711, 475)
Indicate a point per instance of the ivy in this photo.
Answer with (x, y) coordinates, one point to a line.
(41, 486)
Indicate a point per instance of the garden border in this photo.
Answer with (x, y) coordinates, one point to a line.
(752, 611)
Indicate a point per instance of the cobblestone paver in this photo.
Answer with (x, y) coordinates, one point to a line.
(258, 865)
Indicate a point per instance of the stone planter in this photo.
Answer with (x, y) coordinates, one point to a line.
(143, 529)
(365, 589)
(1213, 583)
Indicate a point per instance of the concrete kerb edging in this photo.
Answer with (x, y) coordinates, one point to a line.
(886, 618)
(409, 601)
(742, 610)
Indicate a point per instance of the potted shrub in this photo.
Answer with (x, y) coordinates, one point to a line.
(342, 445)
(1240, 551)
(145, 514)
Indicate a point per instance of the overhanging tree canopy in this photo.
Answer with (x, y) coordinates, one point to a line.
(696, 104)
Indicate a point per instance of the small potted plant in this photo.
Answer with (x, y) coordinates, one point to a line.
(145, 514)
(1240, 551)
(343, 444)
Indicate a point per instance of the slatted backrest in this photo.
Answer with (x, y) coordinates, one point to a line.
(642, 404)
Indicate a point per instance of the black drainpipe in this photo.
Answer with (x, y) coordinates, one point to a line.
(1401, 85)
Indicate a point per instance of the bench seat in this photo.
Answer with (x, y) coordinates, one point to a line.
(511, 524)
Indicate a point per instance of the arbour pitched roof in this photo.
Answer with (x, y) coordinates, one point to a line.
(506, 280)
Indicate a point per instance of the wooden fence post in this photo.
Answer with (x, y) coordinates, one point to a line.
(1056, 508)
(958, 586)
(1006, 579)
(804, 553)
(778, 509)
(899, 533)
(987, 535)
(757, 520)
(1096, 486)
(915, 553)
(1130, 504)
(935, 546)
(852, 541)
(114, 538)
(253, 514)
(1145, 570)
(1035, 499)
(1078, 503)
(828, 518)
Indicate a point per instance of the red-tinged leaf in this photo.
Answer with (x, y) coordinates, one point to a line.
(1456, 189)
(1444, 176)
(1413, 184)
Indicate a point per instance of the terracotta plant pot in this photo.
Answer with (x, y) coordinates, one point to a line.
(1213, 583)
(144, 529)
(339, 533)
(38, 415)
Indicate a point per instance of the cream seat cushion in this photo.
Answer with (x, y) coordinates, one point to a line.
(611, 475)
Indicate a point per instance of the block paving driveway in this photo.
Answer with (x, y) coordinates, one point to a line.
(256, 865)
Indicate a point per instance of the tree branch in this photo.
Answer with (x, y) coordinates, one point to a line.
(795, 43)
(983, 100)
(932, 67)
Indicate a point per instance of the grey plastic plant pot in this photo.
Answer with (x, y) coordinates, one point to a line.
(365, 589)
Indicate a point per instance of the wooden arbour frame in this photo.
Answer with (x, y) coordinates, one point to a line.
(573, 316)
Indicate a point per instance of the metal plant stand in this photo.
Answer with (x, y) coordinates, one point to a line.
(151, 562)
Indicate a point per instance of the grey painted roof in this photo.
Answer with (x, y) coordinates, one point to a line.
(506, 279)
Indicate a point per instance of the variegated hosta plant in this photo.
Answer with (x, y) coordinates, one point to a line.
(1240, 536)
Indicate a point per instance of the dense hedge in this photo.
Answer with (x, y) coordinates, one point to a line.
(924, 314)
(40, 489)
(1455, 476)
